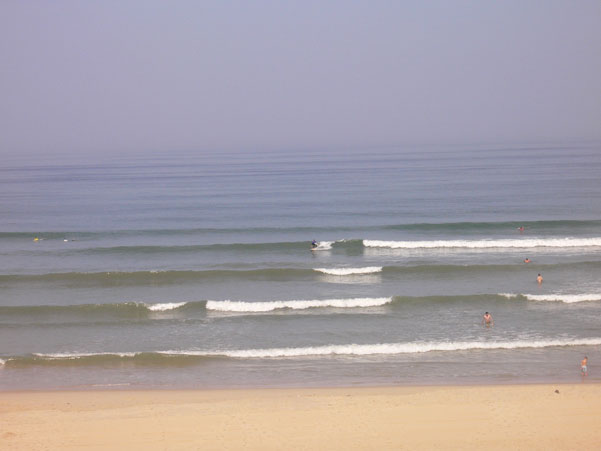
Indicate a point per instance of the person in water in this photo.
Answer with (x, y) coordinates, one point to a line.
(487, 320)
(539, 279)
(527, 260)
(313, 244)
(583, 366)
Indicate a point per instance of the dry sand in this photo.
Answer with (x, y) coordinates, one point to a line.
(413, 418)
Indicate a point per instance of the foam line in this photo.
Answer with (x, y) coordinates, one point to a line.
(240, 306)
(164, 306)
(349, 271)
(487, 244)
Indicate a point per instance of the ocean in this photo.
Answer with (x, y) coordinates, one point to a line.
(192, 270)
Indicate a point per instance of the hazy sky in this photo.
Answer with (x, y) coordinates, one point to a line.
(98, 76)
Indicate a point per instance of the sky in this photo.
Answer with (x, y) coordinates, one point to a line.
(89, 77)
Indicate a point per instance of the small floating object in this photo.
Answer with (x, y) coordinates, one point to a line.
(36, 239)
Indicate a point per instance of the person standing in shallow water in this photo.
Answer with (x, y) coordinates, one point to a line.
(487, 320)
(539, 279)
(584, 366)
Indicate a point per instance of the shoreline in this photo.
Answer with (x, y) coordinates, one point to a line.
(525, 416)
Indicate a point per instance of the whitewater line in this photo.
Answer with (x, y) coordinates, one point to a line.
(349, 271)
(487, 244)
(268, 306)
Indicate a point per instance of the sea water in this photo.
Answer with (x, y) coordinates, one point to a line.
(196, 270)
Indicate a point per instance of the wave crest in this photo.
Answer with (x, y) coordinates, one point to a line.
(404, 348)
(164, 306)
(566, 298)
(349, 271)
(487, 244)
(241, 306)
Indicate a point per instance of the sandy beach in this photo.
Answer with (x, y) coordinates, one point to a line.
(546, 417)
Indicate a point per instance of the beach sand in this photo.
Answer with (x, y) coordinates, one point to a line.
(481, 417)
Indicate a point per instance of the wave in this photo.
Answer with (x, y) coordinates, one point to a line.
(119, 310)
(167, 277)
(137, 310)
(165, 306)
(153, 311)
(526, 243)
(547, 226)
(402, 348)
(349, 271)
(193, 355)
(571, 226)
(565, 298)
(239, 306)
(110, 278)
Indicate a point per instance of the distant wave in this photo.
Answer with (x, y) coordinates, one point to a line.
(565, 298)
(172, 356)
(572, 225)
(109, 278)
(239, 306)
(167, 277)
(525, 243)
(349, 271)
(503, 226)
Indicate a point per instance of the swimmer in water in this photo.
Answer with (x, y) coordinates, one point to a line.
(527, 260)
(487, 320)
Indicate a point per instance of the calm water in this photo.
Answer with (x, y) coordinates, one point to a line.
(196, 271)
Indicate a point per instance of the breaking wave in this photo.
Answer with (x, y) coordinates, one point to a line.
(525, 243)
(172, 356)
(349, 271)
(240, 306)
(566, 298)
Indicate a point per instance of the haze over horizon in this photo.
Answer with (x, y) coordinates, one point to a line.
(90, 78)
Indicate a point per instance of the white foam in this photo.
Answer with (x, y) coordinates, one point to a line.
(508, 295)
(487, 244)
(323, 246)
(165, 306)
(239, 306)
(389, 348)
(350, 349)
(79, 355)
(566, 298)
(2, 362)
(349, 271)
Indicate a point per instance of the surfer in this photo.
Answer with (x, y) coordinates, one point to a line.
(314, 244)
(539, 279)
(487, 320)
